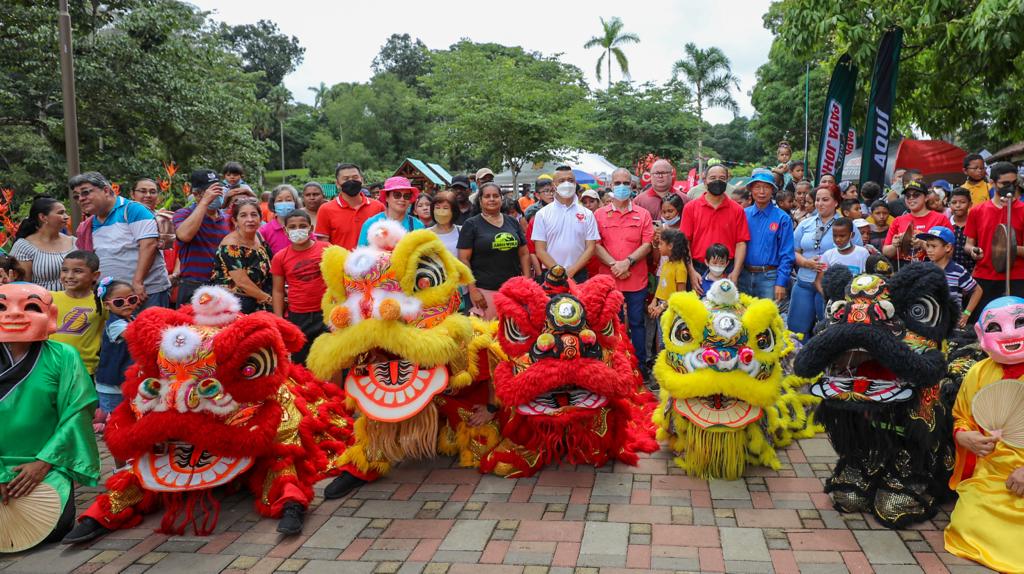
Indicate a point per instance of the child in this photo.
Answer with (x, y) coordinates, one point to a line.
(741, 196)
(959, 205)
(880, 220)
(233, 174)
(297, 268)
(785, 199)
(672, 275)
(844, 253)
(671, 211)
(863, 228)
(120, 301)
(717, 260)
(850, 208)
(938, 246)
(80, 314)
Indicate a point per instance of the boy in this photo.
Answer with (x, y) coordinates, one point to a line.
(80, 315)
(844, 253)
(785, 199)
(717, 260)
(233, 174)
(741, 196)
(850, 208)
(863, 228)
(959, 205)
(938, 245)
(298, 284)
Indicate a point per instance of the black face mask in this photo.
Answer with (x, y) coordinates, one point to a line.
(1006, 190)
(716, 187)
(352, 187)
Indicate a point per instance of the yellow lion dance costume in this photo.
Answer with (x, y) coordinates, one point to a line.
(724, 399)
(414, 369)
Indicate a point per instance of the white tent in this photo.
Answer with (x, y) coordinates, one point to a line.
(592, 163)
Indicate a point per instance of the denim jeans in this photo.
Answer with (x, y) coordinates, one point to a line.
(161, 299)
(635, 315)
(806, 306)
(761, 284)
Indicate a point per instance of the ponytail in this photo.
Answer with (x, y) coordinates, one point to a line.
(42, 205)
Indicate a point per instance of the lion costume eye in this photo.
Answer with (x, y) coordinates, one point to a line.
(766, 340)
(429, 273)
(512, 332)
(925, 310)
(680, 333)
(259, 364)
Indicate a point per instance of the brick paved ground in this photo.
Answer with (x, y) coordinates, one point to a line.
(428, 517)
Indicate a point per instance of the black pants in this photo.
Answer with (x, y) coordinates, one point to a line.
(994, 289)
(312, 326)
(187, 288)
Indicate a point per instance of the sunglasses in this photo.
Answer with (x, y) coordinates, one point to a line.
(914, 195)
(119, 302)
(399, 195)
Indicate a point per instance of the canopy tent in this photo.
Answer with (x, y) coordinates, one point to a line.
(936, 159)
(426, 177)
(591, 164)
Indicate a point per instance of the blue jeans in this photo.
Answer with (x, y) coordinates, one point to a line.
(760, 284)
(109, 401)
(806, 306)
(635, 313)
(161, 299)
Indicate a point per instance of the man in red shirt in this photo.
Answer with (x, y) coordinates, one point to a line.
(715, 218)
(919, 219)
(981, 225)
(626, 234)
(662, 178)
(341, 219)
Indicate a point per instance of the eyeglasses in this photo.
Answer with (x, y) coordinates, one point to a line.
(399, 195)
(660, 173)
(119, 302)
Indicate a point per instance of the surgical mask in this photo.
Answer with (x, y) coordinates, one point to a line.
(622, 192)
(283, 208)
(442, 215)
(843, 247)
(298, 235)
(352, 187)
(716, 187)
(716, 269)
(566, 189)
(672, 221)
(472, 185)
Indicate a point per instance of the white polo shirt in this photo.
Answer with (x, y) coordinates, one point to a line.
(565, 230)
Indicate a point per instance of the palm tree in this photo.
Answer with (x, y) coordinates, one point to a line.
(710, 76)
(611, 41)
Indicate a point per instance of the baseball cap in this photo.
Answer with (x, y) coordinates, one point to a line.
(591, 194)
(939, 232)
(914, 186)
(943, 185)
(861, 222)
(203, 178)
(460, 181)
(484, 171)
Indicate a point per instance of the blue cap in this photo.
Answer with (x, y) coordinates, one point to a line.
(943, 185)
(939, 232)
(766, 177)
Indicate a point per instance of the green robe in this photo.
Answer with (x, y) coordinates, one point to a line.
(47, 415)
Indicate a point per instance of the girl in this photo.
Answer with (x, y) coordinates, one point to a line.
(120, 301)
(80, 314)
(421, 209)
(675, 253)
(671, 211)
(298, 284)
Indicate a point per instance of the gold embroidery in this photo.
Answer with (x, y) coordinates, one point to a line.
(121, 499)
(288, 430)
(271, 477)
(601, 423)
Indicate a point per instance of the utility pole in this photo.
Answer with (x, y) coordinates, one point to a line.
(67, 73)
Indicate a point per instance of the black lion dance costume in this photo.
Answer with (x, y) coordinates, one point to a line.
(885, 385)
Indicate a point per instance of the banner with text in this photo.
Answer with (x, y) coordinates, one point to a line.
(880, 107)
(835, 122)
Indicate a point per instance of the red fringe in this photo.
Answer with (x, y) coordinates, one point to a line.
(201, 510)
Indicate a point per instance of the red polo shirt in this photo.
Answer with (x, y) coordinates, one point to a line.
(622, 232)
(981, 226)
(651, 201)
(704, 225)
(341, 224)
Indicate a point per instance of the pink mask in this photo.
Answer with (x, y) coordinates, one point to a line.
(27, 313)
(1001, 333)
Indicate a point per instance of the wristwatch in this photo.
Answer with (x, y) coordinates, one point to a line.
(632, 262)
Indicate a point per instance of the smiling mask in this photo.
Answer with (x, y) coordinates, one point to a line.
(1000, 330)
(27, 313)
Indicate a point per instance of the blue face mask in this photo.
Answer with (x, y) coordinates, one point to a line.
(622, 192)
(672, 221)
(472, 185)
(283, 208)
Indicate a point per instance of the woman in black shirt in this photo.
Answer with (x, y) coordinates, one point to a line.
(494, 248)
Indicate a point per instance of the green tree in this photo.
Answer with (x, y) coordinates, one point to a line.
(263, 48)
(402, 57)
(710, 76)
(961, 63)
(611, 41)
(778, 98)
(736, 142)
(506, 105)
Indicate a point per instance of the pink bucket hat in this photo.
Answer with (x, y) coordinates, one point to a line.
(399, 183)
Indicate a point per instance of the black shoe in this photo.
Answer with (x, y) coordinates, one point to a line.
(292, 518)
(88, 529)
(342, 485)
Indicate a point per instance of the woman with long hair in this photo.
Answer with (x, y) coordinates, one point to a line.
(42, 244)
(242, 261)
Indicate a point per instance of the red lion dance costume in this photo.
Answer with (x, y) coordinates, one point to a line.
(214, 400)
(570, 388)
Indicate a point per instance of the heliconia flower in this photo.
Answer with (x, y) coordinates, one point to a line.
(171, 169)
(116, 187)
(164, 184)
(186, 188)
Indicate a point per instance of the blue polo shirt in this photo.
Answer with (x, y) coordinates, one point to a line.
(116, 242)
(771, 240)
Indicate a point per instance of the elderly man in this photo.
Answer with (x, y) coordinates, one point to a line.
(715, 218)
(661, 186)
(341, 220)
(770, 252)
(125, 238)
(626, 233)
(564, 232)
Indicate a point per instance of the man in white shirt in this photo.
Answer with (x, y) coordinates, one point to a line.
(564, 232)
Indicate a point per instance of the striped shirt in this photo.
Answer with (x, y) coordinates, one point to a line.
(45, 264)
(960, 282)
(116, 242)
(196, 256)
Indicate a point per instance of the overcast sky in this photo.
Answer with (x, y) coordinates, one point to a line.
(342, 37)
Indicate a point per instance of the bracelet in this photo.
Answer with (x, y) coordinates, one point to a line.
(966, 313)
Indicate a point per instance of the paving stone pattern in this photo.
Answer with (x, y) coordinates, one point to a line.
(429, 517)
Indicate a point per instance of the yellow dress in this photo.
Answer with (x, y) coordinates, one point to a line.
(988, 520)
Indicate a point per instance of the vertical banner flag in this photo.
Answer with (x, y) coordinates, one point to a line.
(851, 141)
(835, 122)
(880, 107)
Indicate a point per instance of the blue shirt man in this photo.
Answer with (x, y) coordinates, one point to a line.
(770, 253)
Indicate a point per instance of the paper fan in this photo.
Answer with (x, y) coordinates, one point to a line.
(1000, 406)
(27, 521)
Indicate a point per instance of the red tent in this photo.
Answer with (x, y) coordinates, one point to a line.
(936, 159)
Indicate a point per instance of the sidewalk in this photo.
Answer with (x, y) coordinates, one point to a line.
(428, 517)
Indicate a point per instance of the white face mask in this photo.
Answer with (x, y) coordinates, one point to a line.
(566, 189)
(716, 269)
(298, 235)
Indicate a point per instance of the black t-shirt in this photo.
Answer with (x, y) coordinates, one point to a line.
(495, 256)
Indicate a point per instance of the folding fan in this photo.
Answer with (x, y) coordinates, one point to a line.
(28, 520)
(1000, 406)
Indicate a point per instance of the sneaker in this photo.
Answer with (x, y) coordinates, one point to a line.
(292, 517)
(88, 529)
(342, 485)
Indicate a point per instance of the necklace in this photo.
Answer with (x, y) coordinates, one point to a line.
(490, 219)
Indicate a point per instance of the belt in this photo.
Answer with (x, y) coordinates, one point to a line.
(759, 268)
